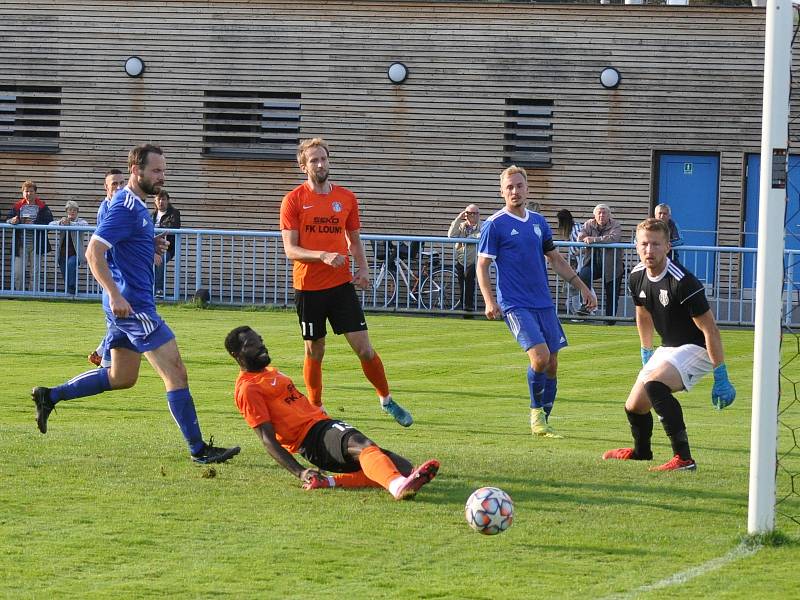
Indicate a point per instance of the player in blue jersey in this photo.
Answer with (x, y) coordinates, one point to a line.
(134, 326)
(518, 241)
(114, 181)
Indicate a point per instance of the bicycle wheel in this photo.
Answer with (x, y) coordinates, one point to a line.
(440, 290)
(384, 290)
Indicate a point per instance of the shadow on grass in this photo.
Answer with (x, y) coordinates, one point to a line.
(447, 397)
(773, 539)
(548, 492)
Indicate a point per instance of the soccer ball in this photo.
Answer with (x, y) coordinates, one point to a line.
(489, 510)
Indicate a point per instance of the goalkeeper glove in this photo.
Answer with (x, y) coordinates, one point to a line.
(723, 393)
(646, 354)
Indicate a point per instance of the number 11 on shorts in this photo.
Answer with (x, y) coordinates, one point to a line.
(308, 328)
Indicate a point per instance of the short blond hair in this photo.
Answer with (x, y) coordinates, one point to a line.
(71, 204)
(653, 224)
(28, 184)
(306, 145)
(513, 170)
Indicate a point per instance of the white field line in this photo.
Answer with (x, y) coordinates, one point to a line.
(741, 551)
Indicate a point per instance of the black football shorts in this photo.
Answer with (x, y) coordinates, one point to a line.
(325, 446)
(339, 305)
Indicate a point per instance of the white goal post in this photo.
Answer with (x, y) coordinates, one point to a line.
(769, 266)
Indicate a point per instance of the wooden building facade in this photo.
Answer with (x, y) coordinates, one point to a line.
(229, 87)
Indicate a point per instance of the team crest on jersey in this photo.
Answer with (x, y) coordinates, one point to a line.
(337, 207)
(663, 297)
(537, 230)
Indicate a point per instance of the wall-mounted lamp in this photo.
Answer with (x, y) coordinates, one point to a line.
(610, 78)
(397, 73)
(134, 66)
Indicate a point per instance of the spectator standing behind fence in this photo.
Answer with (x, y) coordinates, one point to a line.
(30, 245)
(320, 227)
(603, 263)
(466, 225)
(165, 216)
(70, 245)
(664, 213)
(569, 231)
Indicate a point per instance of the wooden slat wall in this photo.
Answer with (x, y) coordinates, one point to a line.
(417, 153)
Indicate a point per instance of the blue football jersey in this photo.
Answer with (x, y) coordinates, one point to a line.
(102, 210)
(101, 214)
(516, 246)
(127, 228)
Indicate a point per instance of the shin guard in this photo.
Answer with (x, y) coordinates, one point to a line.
(536, 387)
(642, 432)
(671, 414)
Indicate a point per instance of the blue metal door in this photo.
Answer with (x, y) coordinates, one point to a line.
(792, 239)
(689, 183)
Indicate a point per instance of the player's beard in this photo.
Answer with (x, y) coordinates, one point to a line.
(151, 188)
(655, 266)
(319, 177)
(516, 203)
(258, 362)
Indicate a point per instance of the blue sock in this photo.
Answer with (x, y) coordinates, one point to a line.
(86, 384)
(535, 387)
(549, 397)
(181, 406)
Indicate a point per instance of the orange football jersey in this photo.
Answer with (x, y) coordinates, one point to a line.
(270, 396)
(321, 221)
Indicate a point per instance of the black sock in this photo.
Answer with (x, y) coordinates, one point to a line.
(680, 445)
(642, 431)
(669, 411)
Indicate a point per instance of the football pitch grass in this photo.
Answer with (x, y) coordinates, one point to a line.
(107, 504)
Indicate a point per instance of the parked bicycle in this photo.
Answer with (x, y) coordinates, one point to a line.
(410, 277)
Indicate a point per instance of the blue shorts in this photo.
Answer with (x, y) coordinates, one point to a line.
(141, 332)
(532, 326)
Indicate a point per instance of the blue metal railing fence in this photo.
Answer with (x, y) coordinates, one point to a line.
(408, 273)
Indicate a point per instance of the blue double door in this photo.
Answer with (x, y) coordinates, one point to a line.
(792, 222)
(689, 183)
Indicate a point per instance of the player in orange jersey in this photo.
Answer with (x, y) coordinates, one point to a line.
(287, 423)
(320, 228)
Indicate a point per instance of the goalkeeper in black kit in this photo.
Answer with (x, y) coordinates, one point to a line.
(671, 301)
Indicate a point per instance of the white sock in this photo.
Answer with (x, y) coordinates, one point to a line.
(385, 399)
(394, 485)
